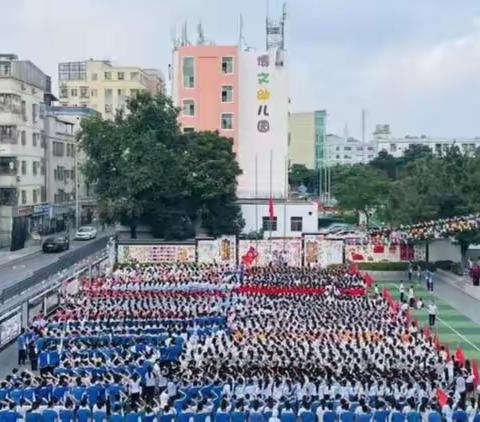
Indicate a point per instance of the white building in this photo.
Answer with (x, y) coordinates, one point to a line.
(85, 203)
(99, 85)
(396, 146)
(290, 219)
(23, 90)
(341, 150)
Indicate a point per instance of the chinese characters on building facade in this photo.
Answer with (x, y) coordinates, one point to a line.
(263, 93)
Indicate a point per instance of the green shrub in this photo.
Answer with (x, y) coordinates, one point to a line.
(383, 266)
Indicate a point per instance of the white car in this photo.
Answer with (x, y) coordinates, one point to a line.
(86, 233)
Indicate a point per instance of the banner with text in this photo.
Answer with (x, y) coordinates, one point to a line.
(380, 252)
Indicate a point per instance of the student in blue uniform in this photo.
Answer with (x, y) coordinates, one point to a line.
(50, 414)
(66, 413)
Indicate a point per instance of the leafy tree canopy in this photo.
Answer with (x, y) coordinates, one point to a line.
(145, 169)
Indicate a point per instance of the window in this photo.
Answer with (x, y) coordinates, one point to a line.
(108, 108)
(24, 111)
(188, 72)
(43, 141)
(72, 71)
(120, 76)
(73, 92)
(347, 148)
(35, 196)
(370, 148)
(84, 91)
(24, 137)
(188, 108)
(93, 93)
(188, 129)
(227, 94)
(63, 92)
(24, 167)
(34, 112)
(337, 157)
(134, 76)
(34, 139)
(58, 149)
(393, 147)
(108, 76)
(227, 64)
(337, 149)
(269, 224)
(94, 76)
(296, 224)
(24, 197)
(120, 92)
(4, 69)
(227, 121)
(34, 167)
(134, 92)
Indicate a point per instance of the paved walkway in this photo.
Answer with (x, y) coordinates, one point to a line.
(458, 315)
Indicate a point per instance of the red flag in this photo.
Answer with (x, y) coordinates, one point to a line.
(476, 374)
(271, 211)
(441, 397)
(426, 331)
(459, 356)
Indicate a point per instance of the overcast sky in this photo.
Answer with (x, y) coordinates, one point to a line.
(412, 63)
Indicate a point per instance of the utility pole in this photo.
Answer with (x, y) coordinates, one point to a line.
(77, 185)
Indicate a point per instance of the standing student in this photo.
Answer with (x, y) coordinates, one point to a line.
(411, 297)
(410, 271)
(430, 281)
(33, 355)
(432, 313)
(402, 292)
(22, 348)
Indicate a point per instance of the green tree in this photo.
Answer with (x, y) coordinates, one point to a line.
(299, 174)
(144, 169)
(386, 163)
(360, 188)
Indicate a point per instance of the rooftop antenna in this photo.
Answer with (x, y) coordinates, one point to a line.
(201, 35)
(364, 152)
(184, 40)
(275, 30)
(240, 35)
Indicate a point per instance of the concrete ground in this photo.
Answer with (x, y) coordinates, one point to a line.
(458, 320)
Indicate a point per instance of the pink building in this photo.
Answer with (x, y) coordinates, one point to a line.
(205, 87)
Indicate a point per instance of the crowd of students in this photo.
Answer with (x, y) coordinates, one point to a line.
(434, 229)
(162, 342)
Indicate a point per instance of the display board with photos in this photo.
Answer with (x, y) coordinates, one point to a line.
(321, 251)
(276, 251)
(154, 254)
(10, 326)
(222, 250)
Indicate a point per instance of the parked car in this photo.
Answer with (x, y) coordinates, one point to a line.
(336, 227)
(86, 233)
(345, 234)
(56, 244)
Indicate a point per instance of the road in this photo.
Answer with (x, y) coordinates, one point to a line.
(12, 273)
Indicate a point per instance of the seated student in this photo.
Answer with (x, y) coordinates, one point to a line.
(222, 414)
(133, 415)
(381, 413)
(116, 414)
(305, 413)
(459, 414)
(239, 414)
(66, 412)
(50, 414)
(364, 415)
(396, 415)
(83, 412)
(346, 414)
(99, 412)
(168, 414)
(11, 414)
(433, 414)
(328, 415)
(34, 414)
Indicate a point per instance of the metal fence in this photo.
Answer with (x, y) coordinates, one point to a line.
(66, 265)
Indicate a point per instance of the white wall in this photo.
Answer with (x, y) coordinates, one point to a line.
(253, 143)
(307, 210)
(444, 250)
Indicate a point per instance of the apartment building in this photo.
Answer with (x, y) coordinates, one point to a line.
(23, 91)
(99, 85)
(396, 146)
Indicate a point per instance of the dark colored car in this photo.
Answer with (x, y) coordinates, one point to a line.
(56, 244)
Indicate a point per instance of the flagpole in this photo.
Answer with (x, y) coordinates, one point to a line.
(271, 198)
(256, 202)
(285, 202)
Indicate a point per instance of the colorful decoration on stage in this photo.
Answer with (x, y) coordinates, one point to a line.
(276, 251)
(323, 252)
(152, 254)
(222, 250)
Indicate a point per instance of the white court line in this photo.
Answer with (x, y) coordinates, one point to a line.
(458, 334)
